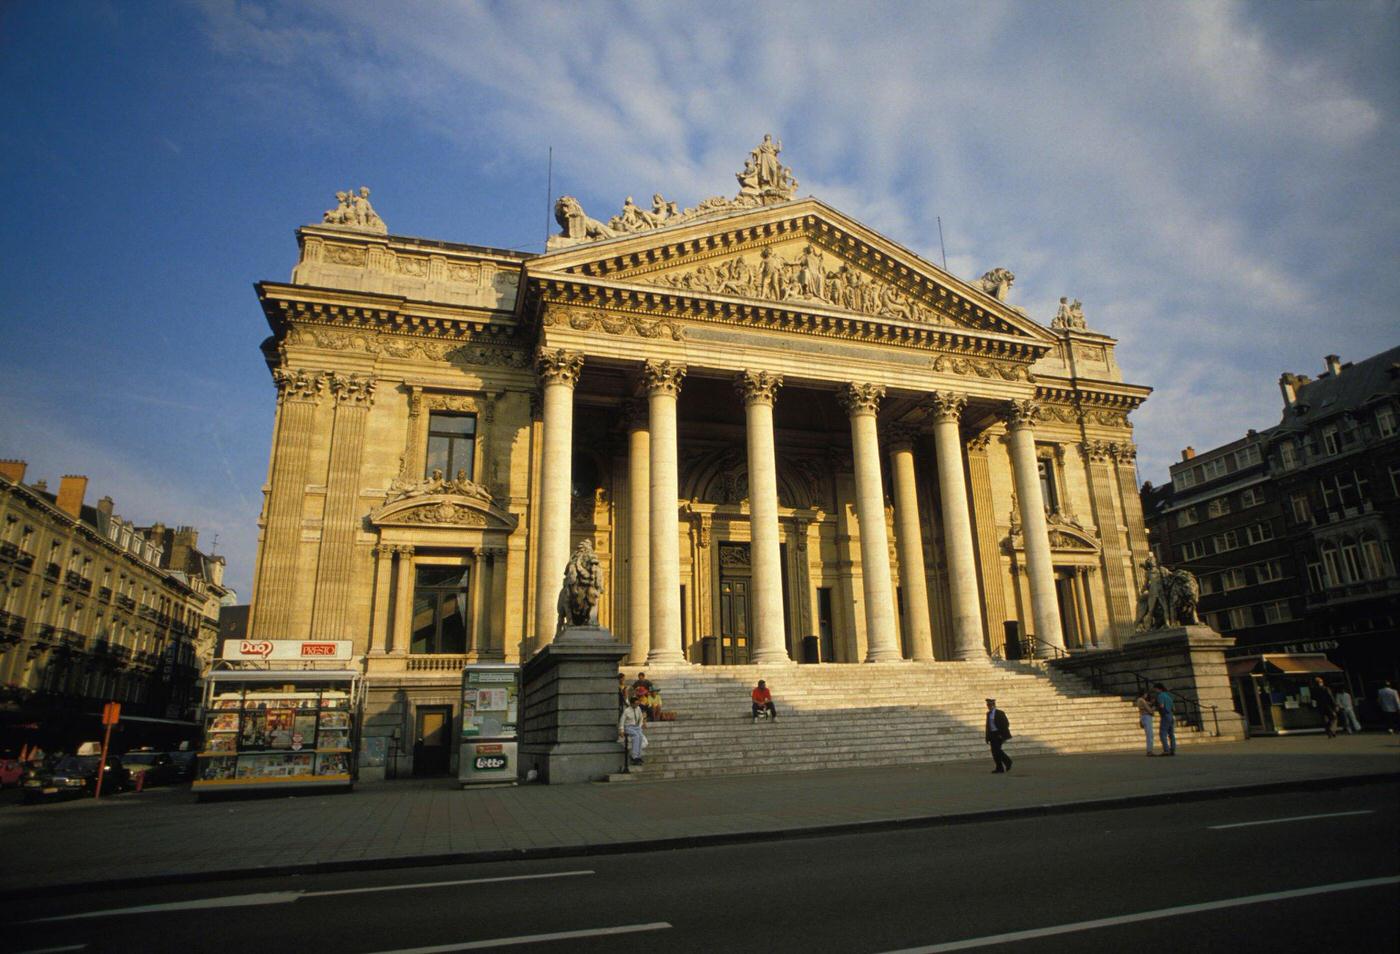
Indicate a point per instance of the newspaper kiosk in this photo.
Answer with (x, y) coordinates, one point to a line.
(490, 704)
(279, 714)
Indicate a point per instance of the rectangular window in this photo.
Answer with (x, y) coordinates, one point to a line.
(1395, 479)
(440, 610)
(1331, 569)
(1048, 492)
(1229, 540)
(1209, 584)
(1287, 455)
(1385, 421)
(1259, 532)
(1351, 560)
(1302, 513)
(1252, 497)
(1232, 580)
(1270, 571)
(1316, 580)
(1218, 507)
(1247, 456)
(1213, 468)
(1187, 478)
(1241, 617)
(1330, 444)
(1374, 559)
(1193, 550)
(1187, 517)
(451, 445)
(1277, 612)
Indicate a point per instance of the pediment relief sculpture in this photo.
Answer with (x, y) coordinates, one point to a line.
(446, 509)
(437, 484)
(353, 211)
(764, 180)
(1065, 530)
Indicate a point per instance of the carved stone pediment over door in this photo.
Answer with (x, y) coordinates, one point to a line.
(450, 511)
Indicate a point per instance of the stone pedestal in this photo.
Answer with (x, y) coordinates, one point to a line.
(1189, 660)
(568, 722)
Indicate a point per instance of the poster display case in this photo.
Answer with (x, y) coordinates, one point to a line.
(490, 709)
(268, 728)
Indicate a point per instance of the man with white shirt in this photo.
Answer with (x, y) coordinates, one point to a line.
(998, 731)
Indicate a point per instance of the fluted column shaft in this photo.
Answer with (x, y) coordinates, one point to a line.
(1040, 569)
(663, 386)
(340, 525)
(909, 543)
(403, 602)
(559, 371)
(861, 402)
(957, 527)
(638, 537)
(759, 390)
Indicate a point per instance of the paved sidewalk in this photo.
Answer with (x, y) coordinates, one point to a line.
(167, 835)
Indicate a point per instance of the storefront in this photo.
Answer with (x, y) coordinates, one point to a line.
(1275, 690)
(277, 715)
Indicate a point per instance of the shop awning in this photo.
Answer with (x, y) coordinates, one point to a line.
(1301, 664)
(284, 675)
(1240, 667)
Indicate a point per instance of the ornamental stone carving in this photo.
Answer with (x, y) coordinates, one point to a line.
(1070, 315)
(1098, 452)
(578, 227)
(583, 587)
(858, 399)
(353, 211)
(947, 406)
(1022, 413)
(1168, 597)
(437, 483)
(997, 283)
(596, 319)
(299, 384)
(899, 435)
(663, 377)
(982, 368)
(758, 387)
(557, 366)
(353, 389)
(445, 514)
(1124, 453)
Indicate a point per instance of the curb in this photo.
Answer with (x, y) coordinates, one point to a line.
(694, 841)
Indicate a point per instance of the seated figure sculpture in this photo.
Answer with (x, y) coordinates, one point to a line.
(583, 586)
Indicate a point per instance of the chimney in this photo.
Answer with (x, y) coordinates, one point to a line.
(13, 469)
(70, 494)
(1187, 453)
(1334, 364)
(106, 505)
(1288, 387)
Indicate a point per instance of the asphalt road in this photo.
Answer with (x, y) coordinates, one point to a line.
(1293, 871)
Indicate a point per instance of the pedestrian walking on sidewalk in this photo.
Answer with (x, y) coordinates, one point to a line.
(998, 732)
(1144, 708)
(1346, 709)
(630, 730)
(1326, 706)
(1389, 701)
(1166, 728)
(763, 701)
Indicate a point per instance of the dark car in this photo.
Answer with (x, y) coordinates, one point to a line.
(153, 768)
(74, 776)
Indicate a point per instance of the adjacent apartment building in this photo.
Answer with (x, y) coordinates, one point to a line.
(1291, 530)
(94, 608)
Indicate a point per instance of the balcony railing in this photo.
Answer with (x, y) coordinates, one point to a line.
(52, 572)
(72, 639)
(77, 582)
(126, 603)
(9, 551)
(104, 593)
(11, 627)
(47, 632)
(25, 560)
(436, 663)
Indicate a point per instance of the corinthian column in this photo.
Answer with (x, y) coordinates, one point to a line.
(759, 390)
(1045, 612)
(638, 534)
(957, 526)
(663, 386)
(861, 401)
(335, 568)
(909, 543)
(298, 394)
(558, 370)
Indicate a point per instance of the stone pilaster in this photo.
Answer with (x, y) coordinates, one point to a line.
(1125, 466)
(340, 524)
(559, 372)
(402, 631)
(988, 542)
(663, 386)
(947, 408)
(909, 544)
(1040, 569)
(759, 390)
(383, 583)
(299, 393)
(1117, 558)
(638, 534)
(862, 402)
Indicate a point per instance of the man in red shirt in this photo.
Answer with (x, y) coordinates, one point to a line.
(763, 701)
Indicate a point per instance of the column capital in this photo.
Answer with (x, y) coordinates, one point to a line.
(663, 377)
(557, 366)
(1022, 413)
(857, 399)
(299, 384)
(353, 389)
(979, 442)
(1097, 452)
(1124, 453)
(402, 549)
(495, 553)
(899, 435)
(947, 406)
(635, 414)
(757, 387)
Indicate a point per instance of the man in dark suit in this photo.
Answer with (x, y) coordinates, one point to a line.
(998, 731)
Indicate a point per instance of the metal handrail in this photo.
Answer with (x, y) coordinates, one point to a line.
(1030, 642)
(1192, 710)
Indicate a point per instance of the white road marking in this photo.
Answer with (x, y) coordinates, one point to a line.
(1279, 821)
(287, 897)
(55, 950)
(1132, 918)
(529, 939)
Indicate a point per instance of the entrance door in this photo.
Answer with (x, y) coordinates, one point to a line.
(432, 751)
(733, 621)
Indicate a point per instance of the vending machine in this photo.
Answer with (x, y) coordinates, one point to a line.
(490, 700)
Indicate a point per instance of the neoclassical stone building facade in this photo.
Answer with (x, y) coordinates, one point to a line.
(771, 421)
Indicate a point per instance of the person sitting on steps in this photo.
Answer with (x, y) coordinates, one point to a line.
(763, 702)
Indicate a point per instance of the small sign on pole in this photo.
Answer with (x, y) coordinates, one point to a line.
(111, 715)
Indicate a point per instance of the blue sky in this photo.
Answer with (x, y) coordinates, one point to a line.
(1218, 182)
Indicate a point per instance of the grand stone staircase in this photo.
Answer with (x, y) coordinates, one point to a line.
(845, 716)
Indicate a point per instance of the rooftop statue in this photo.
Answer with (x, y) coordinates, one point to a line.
(997, 283)
(353, 211)
(583, 587)
(1070, 315)
(764, 180)
(1168, 597)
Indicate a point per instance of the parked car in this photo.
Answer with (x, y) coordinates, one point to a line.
(11, 770)
(74, 776)
(184, 765)
(152, 767)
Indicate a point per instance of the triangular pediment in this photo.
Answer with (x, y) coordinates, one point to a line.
(800, 255)
(448, 510)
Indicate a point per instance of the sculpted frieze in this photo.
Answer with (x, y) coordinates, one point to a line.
(982, 368)
(444, 514)
(396, 346)
(581, 319)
